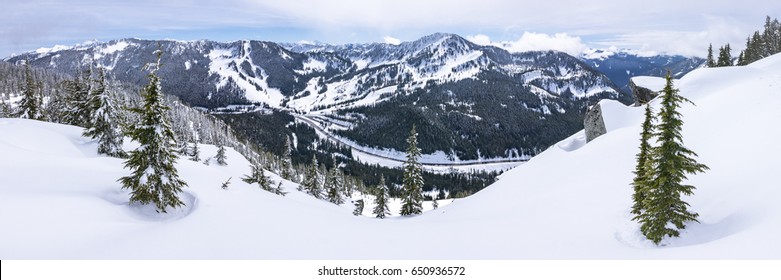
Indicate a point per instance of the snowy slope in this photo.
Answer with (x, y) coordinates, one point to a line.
(59, 200)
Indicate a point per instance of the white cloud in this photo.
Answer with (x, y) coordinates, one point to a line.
(531, 41)
(391, 40)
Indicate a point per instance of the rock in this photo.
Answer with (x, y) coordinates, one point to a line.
(593, 123)
(642, 95)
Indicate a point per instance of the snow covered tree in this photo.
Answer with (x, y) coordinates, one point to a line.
(434, 203)
(78, 106)
(221, 157)
(286, 164)
(259, 176)
(644, 169)
(103, 124)
(412, 188)
(381, 200)
(154, 178)
(311, 182)
(333, 185)
(30, 106)
(195, 152)
(709, 60)
(664, 213)
(358, 207)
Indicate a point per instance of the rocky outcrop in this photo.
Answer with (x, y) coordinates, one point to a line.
(593, 123)
(641, 95)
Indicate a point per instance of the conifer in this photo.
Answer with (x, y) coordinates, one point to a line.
(311, 182)
(412, 188)
(30, 106)
(286, 164)
(358, 207)
(226, 183)
(662, 205)
(221, 157)
(709, 60)
(333, 185)
(643, 170)
(154, 178)
(103, 124)
(381, 200)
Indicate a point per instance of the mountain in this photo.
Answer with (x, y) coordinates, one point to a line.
(469, 102)
(78, 211)
(621, 65)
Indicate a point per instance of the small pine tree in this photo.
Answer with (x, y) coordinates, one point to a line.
(30, 106)
(259, 176)
(226, 183)
(662, 205)
(102, 124)
(381, 200)
(286, 164)
(725, 56)
(333, 185)
(412, 189)
(221, 157)
(195, 152)
(154, 178)
(79, 102)
(311, 182)
(434, 203)
(709, 60)
(644, 169)
(358, 207)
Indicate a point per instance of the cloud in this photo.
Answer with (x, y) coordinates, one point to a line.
(531, 41)
(391, 40)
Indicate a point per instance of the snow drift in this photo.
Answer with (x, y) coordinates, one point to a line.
(59, 200)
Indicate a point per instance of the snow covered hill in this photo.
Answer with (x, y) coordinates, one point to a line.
(58, 200)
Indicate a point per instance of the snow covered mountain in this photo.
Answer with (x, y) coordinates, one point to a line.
(77, 210)
(621, 65)
(447, 86)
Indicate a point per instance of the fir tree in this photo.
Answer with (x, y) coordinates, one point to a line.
(434, 203)
(381, 200)
(103, 124)
(78, 104)
(709, 60)
(358, 207)
(311, 182)
(226, 183)
(662, 204)
(286, 165)
(221, 157)
(412, 189)
(31, 102)
(333, 185)
(154, 177)
(644, 169)
(259, 176)
(725, 56)
(195, 152)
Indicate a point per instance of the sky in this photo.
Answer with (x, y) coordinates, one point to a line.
(660, 26)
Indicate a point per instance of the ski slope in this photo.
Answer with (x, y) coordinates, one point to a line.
(59, 200)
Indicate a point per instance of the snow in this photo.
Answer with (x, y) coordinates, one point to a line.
(59, 200)
(653, 83)
(221, 61)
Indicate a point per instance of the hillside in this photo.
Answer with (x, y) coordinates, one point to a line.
(59, 200)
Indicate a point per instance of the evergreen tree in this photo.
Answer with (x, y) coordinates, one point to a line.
(725, 56)
(311, 182)
(154, 177)
(286, 165)
(709, 61)
(31, 102)
(644, 169)
(103, 124)
(434, 203)
(381, 200)
(5, 109)
(226, 183)
(78, 104)
(358, 207)
(259, 176)
(195, 152)
(221, 157)
(662, 204)
(333, 185)
(412, 189)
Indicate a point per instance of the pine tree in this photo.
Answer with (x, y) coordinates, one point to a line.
(78, 106)
(434, 203)
(311, 182)
(412, 189)
(358, 207)
(644, 169)
(381, 200)
(662, 204)
(102, 124)
(333, 185)
(286, 165)
(154, 177)
(725, 56)
(31, 102)
(259, 176)
(221, 157)
(195, 152)
(709, 61)
(226, 183)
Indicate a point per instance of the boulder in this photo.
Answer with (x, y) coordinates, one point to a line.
(593, 123)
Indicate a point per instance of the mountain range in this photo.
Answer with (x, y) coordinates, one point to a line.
(468, 102)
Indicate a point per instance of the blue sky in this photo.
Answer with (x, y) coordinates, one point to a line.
(678, 27)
